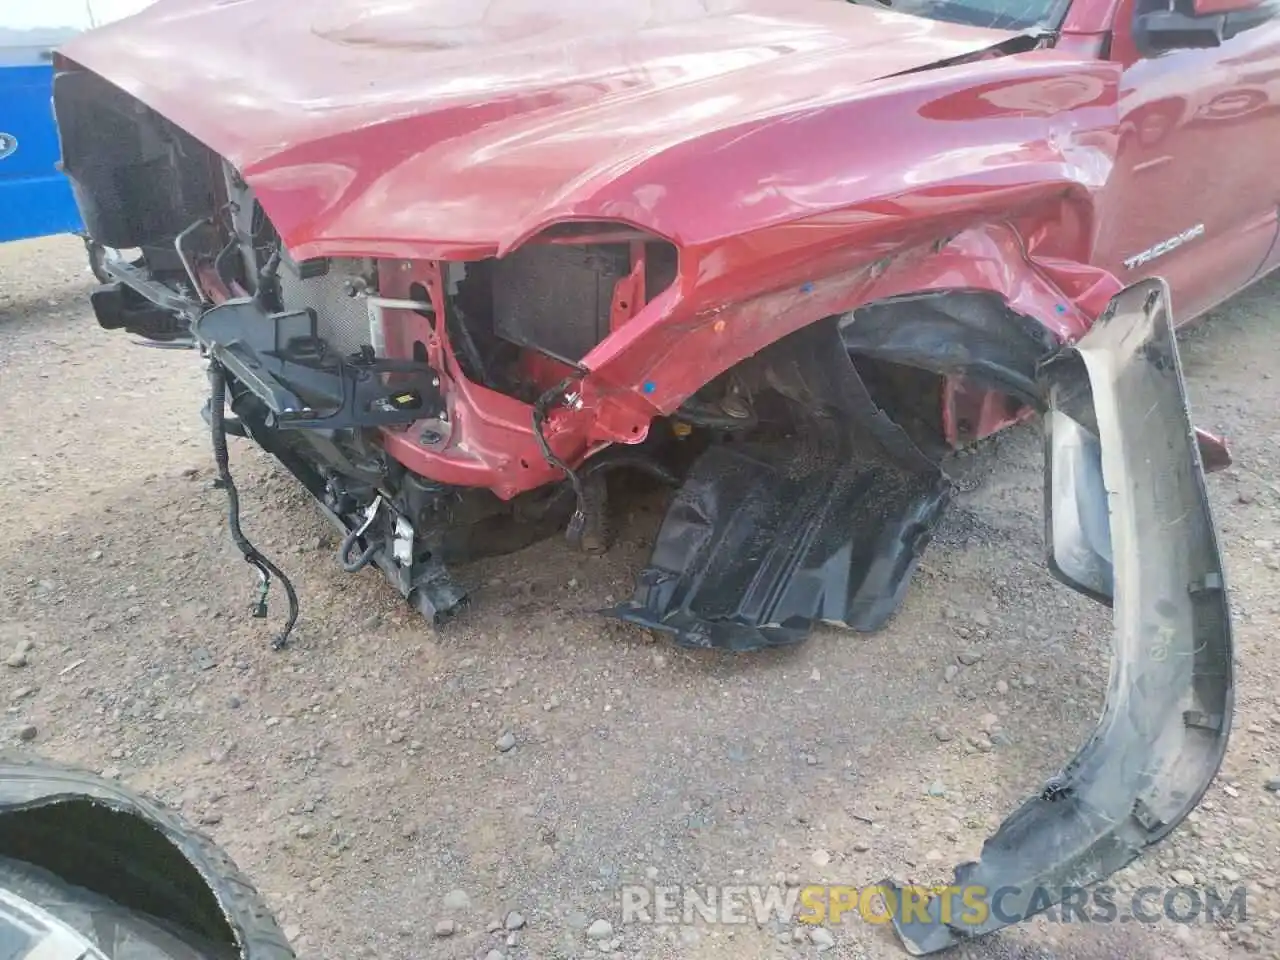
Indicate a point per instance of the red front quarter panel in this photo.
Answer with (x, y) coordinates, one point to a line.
(840, 224)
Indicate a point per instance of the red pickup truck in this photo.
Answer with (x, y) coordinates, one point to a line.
(457, 263)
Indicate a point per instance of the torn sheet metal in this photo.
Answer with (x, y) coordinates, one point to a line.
(764, 540)
(1167, 716)
(98, 836)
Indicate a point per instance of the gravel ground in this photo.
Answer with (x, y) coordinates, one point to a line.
(398, 792)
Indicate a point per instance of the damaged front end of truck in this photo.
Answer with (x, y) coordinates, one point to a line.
(447, 400)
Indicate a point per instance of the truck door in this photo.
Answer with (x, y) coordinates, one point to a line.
(1194, 194)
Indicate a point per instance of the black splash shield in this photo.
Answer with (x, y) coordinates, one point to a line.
(762, 541)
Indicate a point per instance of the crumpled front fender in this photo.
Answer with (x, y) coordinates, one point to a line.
(1128, 522)
(127, 857)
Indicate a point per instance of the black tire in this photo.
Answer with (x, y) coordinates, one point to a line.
(43, 804)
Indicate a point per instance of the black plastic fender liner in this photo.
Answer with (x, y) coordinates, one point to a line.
(752, 552)
(763, 540)
(954, 333)
(1167, 716)
(99, 835)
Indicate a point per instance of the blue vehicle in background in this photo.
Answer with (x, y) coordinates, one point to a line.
(35, 197)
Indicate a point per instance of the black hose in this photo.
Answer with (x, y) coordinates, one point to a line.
(577, 522)
(266, 569)
(361, 561)
(219, 262)
(266, 278)
(644, 464)
(702, 417)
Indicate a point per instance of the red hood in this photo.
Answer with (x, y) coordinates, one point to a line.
(366, 126)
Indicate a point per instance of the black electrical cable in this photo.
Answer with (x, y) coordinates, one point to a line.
(266, 277)
(266, 569)
(579, 520)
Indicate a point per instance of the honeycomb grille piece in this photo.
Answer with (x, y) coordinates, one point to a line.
(343, 321)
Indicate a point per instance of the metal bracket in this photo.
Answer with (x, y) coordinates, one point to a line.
(281, 359)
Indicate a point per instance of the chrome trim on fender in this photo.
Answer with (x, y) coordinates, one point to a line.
(1163, 247)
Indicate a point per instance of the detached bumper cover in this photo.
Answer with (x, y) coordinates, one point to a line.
(1119, 445)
